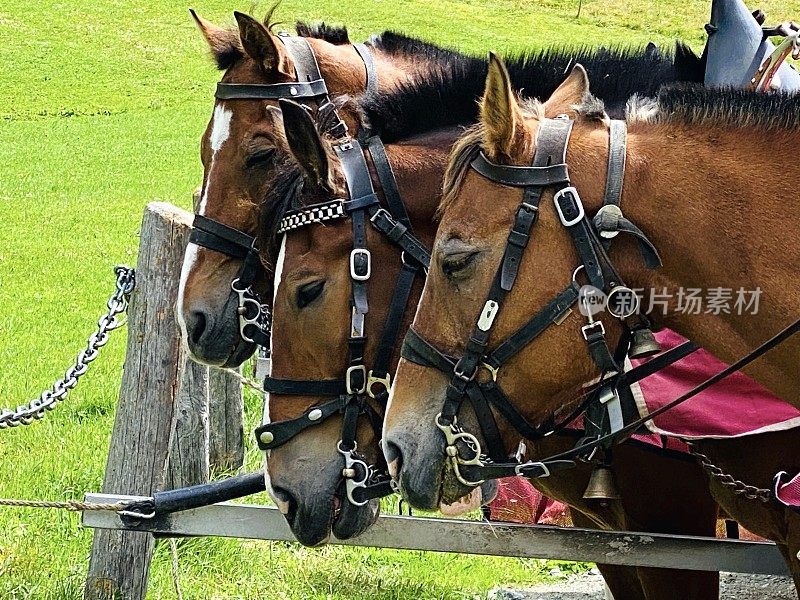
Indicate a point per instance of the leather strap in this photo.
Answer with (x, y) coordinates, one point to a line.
(305, 387)
(215, 235)
(301, 90)
(520, 176)
(417, 350)
(386, 177)
(359, 185)
(657, 363)
(609, 221)
(530, 470)
(491, 433)
(305, 63)
(373, 490)
(354, 167)
(394, 318)
(615, 173)
(400, 235)
(369, 67)
(283, 431)
(552, 313)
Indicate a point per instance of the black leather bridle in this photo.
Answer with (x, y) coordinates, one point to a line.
(254, 315)
(590, 237)
(351, 394)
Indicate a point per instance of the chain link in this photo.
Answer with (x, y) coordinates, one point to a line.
(737, 487)
(25, 414)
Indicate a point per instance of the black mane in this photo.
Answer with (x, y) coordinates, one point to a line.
(449, 95)
(333, 34)
(397, 44)
(694, 105)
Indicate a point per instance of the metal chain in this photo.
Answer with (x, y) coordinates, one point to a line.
(737, 487)
(25, 414)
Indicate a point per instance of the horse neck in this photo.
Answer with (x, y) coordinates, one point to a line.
(419, 165)
(719, 206)
(699, 196)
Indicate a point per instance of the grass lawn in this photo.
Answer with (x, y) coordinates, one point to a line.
(102, 105)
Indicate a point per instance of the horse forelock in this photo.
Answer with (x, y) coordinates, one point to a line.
(467, 148)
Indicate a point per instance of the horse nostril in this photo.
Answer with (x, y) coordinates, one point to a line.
(197, 326)
(394, 458)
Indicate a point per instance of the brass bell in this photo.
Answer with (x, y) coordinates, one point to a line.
(643, 344)
(601, 485)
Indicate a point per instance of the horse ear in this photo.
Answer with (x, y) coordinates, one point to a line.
(305, 142)
(572, 91)
(223, 43)
(260, 45)
(503, 122)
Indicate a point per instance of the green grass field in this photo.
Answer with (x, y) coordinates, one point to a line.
(101, 109)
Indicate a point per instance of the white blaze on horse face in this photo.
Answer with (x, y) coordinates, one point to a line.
(220, 132)
(283, 506)
(276, 284)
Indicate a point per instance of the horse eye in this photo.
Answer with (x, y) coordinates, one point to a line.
(455, 266)
(260, 157)
(308, 293)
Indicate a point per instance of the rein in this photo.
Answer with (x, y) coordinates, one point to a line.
(350, 394)
(254, 315)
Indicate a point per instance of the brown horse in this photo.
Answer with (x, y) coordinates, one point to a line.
(312, 326)
(239, 148)
(696, 160)
(242, 144)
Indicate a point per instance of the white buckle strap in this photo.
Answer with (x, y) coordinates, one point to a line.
(576, 197)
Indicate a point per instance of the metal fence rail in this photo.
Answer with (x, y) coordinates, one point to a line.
(470, 537)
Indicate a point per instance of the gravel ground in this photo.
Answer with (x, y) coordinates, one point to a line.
(589, 586)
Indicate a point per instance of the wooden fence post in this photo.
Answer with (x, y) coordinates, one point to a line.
(189, 457)
(226, 413)
(150, 418)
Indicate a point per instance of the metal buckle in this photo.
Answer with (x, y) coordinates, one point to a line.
(381, 212)
(541, 465)
(596, 325)
(368, 256)
(344, 147)
(348, 379)
(560, 194)
(463, 376)
(371, 380)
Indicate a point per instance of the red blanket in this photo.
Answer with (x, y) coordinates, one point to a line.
(734, 407)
